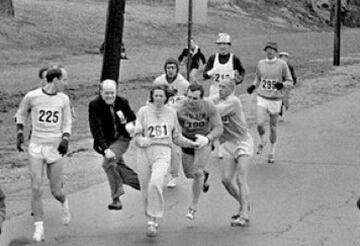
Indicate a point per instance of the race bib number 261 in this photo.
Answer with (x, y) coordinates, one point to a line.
(158, 131)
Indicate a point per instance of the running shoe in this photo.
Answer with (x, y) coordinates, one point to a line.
(115, 205)
(38, 235)
(172, 183)
(241, 221)
(191, 214)
(66, 217)
(152, 227)
(206, 186)
(271, 159)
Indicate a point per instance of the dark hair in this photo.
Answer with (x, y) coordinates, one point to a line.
(41, 72)
(196, 87)
(164, 88)
(53, 73)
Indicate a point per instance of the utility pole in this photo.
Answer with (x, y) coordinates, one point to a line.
(189, 40)
(337, 27)
(113, 40)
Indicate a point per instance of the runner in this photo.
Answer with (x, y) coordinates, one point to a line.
(177, 85)
(198, 119)
(51, 128)
(272, 78)
(156, 129)
(223, 64)
(237, 147)
(286, 99)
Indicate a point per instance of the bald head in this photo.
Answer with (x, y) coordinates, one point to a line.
(226, 87)
(108, 91)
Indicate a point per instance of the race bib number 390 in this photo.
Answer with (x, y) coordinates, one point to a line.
(48, 116)
(158, 131)
(267, 84)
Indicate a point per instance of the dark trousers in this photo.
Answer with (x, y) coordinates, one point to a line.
(118, 173)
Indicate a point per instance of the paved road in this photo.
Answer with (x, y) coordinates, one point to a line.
(307, 198)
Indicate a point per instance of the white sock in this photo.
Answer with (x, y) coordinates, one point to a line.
(39, 226)
(272, 148)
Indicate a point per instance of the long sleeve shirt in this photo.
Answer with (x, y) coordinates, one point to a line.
(270, 72)
(233, 118)
(50, 115)
(160, 126)
(203, 119)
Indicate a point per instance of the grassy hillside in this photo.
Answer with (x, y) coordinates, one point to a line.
(47, 29)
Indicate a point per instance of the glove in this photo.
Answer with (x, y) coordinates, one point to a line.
(279, 85)
(143, 142)
(251, 89)
(63, 146)
(201, 140)
(130, 128)
(19, 141)
(109, 154)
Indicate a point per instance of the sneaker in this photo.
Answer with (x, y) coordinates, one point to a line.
(241, 221)
(206, 186)
(260, 149)
(152, 227)
(191, 214)
(172, 183)
(115, 205)
(38, 235)
(271, 159)
(66, 212)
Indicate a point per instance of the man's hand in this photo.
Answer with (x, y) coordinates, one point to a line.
(130, 128)
(238, 78)
(251, 89)
(201, 140)
(279, 85)
(211, 72)
(19, 141)
(63, 146)
(109, 154)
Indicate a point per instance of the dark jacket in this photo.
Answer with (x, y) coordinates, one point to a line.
(2, 208)
(196, 57)
(101, 122)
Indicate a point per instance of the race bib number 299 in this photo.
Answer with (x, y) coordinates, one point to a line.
(158, 131)
(267, 84)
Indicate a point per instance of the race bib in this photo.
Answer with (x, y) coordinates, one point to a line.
(48, 116)
(218, 77)
(158, 131)
(191, 125)
(268, 84)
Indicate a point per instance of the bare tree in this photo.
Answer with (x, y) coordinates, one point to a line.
(7, 8)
